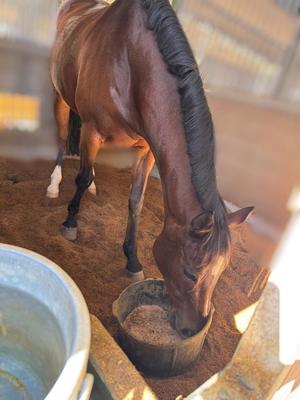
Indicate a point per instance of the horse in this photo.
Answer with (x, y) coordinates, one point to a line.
(125, 75)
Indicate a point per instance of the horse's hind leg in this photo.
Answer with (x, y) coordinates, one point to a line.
(89, 146)
(92, 188)
(56, 176)
(61, 112)
(62, 115)
(141, 171)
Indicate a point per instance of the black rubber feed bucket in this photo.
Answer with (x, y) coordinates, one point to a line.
(152, 360)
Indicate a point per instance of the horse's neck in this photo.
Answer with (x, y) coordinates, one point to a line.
(180, 199)
(169, 146)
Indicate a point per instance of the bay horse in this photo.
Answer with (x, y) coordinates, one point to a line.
(124, 74)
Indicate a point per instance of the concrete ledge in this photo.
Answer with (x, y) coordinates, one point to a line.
(114, 369)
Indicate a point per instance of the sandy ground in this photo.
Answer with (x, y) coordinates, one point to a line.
(96, 261)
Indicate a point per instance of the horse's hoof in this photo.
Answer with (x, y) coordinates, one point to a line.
(136, 276)
(69, 233)
(52, 195)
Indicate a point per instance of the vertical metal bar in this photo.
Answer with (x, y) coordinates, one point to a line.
(289, 58)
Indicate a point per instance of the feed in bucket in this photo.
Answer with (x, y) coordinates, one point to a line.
(151, 354)
(151, 324)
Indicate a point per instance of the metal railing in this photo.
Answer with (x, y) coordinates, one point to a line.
(31, 21)
(248, 46)
(252, 47)
(26, 33)
(292, 6)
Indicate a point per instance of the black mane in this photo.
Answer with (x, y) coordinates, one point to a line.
(197, 119)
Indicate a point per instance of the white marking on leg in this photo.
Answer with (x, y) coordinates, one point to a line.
(56, 178)
(92, 188)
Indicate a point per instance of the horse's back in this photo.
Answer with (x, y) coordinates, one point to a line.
(90, 59)
(77, 19)
(109, 68)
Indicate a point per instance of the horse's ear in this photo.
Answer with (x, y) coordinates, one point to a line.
(203, 223)
(238, 217)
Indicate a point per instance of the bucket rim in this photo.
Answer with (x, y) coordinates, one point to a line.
(71, 377)
(183, 342)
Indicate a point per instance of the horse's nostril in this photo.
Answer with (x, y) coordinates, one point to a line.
(186, 333)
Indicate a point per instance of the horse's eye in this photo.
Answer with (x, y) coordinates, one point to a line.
(190, 276)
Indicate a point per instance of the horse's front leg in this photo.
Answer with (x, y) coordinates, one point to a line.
(89, 146)
(143, 167)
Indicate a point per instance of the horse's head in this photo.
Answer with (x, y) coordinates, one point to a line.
(192, 260)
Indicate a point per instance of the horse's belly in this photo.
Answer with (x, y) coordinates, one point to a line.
(121, 140)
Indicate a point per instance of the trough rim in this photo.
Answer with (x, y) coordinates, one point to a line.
(68, 383)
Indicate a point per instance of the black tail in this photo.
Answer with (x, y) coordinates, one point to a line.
(74, 134)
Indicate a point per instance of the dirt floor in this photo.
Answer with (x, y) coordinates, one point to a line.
(96, 261)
